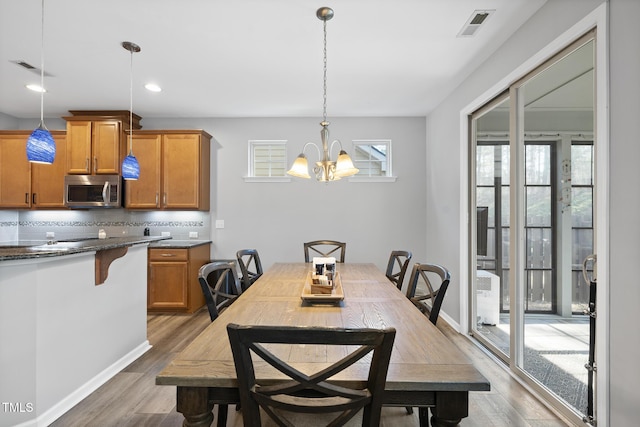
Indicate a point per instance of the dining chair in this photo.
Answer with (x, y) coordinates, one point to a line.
(220, 285)
(218, 296)
(422, 292)
(397, 267)
(324, 248)
(310, 393)
(250, 267)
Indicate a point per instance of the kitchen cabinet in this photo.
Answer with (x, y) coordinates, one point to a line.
(174, 170)
(25, 185)
(173, 278)
(97, 141)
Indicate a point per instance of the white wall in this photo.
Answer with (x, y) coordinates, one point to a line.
(276, 218)
(624, 203)
(443, 142)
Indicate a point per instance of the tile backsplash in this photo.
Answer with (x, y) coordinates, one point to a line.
(34, 225)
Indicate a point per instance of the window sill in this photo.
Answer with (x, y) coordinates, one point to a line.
(266, 179)
(372, 178)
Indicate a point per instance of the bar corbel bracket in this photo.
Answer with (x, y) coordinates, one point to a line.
(104, 258)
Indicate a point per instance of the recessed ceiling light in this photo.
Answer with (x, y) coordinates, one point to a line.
(36, 88)
(153, 87)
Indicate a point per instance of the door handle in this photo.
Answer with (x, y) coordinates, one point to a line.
(589, 260)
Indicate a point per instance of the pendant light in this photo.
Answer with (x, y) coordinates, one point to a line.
(41, 148)
(325, 169)
(130, 166)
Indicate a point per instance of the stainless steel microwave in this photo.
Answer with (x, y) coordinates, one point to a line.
(93, 191)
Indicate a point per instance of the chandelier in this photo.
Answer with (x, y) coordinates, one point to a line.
(325, 169)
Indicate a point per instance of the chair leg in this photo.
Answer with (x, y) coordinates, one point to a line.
(409, 410)
(222, 415)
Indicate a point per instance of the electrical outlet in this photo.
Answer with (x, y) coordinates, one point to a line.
(193, 234)
(50, 235)
(220, 223)
(166, 234)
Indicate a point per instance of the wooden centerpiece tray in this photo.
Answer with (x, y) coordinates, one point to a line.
(336, 295)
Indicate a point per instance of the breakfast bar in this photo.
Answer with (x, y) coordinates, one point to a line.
(62, 333)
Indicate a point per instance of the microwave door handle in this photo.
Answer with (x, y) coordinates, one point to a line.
(105, 192)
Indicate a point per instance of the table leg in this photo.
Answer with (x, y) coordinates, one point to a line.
(451, 407)
(193, 403)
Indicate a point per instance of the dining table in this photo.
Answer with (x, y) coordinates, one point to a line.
(426, 371)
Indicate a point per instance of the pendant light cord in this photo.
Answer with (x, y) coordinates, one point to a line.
(42, 67)
(131, 105)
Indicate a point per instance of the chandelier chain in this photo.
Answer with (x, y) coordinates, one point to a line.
(324, 79)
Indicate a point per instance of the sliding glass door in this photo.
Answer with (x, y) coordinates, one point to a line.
(533, 174)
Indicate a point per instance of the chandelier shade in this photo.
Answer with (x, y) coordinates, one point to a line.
(325, 169)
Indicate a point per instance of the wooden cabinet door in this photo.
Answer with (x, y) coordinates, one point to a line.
(168, 285)
(79, 147)
(47, 181)
(15, 171)
(106, 142)
(181, 171)
(145, 192)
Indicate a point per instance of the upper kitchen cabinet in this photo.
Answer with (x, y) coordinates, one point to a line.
(25, 185)
(97, 141)
(174, 170)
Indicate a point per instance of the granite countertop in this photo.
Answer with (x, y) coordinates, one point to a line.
(178, 244)
(28, 249)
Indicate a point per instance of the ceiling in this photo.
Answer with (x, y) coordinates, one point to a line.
(246, 58)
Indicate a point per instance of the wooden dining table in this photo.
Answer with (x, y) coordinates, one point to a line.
(426, 369)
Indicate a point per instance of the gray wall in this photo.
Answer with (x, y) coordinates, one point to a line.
(276, 218)
(444, 162)
(624, 206)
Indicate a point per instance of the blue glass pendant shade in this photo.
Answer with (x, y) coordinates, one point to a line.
(41, 148)
(130, 168)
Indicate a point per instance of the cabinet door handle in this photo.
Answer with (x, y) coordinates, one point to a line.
(168, 255)
(95, 164)
(86, 164)
(157, 199)
(164, 199)
(33, 199)
(26, 198)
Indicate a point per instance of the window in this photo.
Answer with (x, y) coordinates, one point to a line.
(373, 158)
(267, 159)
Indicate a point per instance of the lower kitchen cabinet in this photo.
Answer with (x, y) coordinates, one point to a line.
(172, 278)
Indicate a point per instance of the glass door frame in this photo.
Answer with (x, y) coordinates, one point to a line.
(515, 359)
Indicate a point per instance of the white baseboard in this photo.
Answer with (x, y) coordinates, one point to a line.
(60, 408)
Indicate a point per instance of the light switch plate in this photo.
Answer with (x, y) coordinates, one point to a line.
(219, 223)
(166, 234)
(50, 235)
(193, 234)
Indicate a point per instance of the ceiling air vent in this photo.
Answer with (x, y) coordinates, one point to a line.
(471, 27)
(29, 67)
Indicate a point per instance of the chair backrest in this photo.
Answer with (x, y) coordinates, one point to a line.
(397, 266)
(324, 248)
(313, 392)
(426, 294)
(220, 285)
(250, 267)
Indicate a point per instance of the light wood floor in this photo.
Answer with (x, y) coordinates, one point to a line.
(131, 398)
